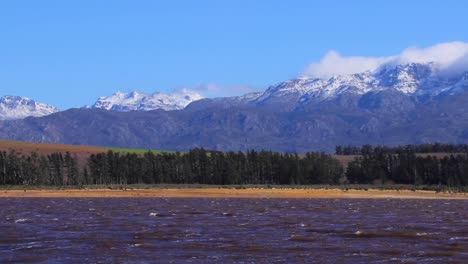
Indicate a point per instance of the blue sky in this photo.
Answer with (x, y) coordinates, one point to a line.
(68, 53)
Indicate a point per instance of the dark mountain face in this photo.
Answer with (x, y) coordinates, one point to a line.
(375, 118)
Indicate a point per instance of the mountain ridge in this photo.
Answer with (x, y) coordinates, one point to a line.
(136, 101)
(421, 81)
(403, 104)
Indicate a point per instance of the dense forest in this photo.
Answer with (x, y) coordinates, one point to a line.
(198, 166)
(405, 167)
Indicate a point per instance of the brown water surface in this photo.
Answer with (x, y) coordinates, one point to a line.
(208, 230)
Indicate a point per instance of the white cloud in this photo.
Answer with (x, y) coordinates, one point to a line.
(213, 90)
(450, 57)
(335, 64)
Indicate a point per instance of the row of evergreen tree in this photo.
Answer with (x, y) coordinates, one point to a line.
(54, 169)
(225, 168)
(423, 148)
(203, 167)
(406, 167)
(196, 166)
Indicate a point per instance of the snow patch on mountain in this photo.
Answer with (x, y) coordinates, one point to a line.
(16, 107)
(136, 101)
(411, 79)
(451, 57)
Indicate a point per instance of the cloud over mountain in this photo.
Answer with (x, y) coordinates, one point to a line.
(450, 57)
(214, 90)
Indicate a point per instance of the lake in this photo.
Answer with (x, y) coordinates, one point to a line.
(207, 230)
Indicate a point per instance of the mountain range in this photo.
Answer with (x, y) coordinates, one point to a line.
(395, 104)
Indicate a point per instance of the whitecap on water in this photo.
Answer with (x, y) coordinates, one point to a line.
(153, 214)
(136, 245)
(28, 245)
(22, 220)
(459, 238)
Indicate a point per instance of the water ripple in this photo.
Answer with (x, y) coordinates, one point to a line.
(125, 230)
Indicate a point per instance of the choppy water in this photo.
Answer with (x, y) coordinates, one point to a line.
(175, 230)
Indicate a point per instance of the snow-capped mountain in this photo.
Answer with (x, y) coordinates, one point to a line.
(413, 80)
(16, 107)
(392, 105)
(136, 101)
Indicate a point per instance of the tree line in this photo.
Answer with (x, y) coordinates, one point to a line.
(55, 169)
(405, 167)
(199, 166)
(422, 148)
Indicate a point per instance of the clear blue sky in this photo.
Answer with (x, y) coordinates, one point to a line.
(68, 53)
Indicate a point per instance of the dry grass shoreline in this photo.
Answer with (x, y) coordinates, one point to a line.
(230, 193)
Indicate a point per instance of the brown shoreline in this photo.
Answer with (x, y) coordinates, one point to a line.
(233, 193)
